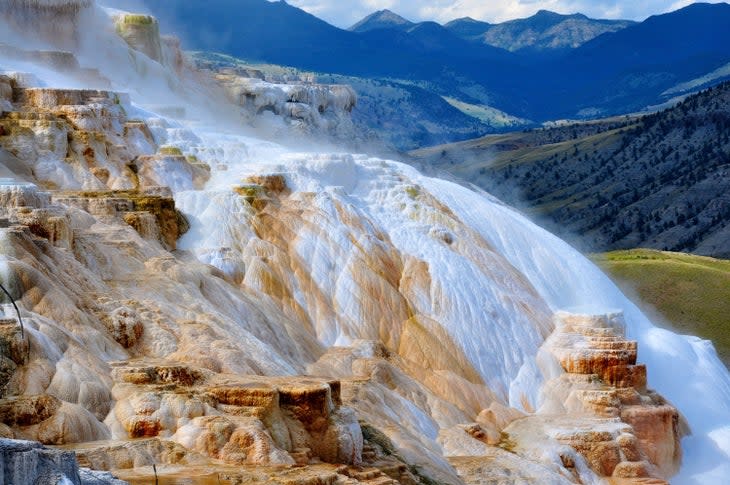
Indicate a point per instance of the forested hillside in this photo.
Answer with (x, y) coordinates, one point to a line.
(657, 181)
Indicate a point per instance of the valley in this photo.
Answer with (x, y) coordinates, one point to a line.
(614, 73)
(656, 181)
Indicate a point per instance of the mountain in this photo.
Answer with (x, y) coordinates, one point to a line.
(188, 296)
(616, 72)
(436, 38)
(426, 55)
(283, 34)
(544, 31)
(467, 27)
(431, 35)
(280, 32)
(548, 31)
(645, 59)
(382, 19)
(656, 181)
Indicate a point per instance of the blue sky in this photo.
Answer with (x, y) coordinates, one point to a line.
(345, 13)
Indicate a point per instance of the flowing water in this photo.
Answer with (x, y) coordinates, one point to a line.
(362, 246)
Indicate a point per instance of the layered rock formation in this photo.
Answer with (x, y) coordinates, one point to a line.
(53, 20)
(306, 109)
(204, 402)
(603, 379)
(29, 463)
(142, 33)
(297, 109)
(235, 419)
(598, 415)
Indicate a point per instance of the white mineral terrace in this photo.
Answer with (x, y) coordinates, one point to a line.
(427, 309)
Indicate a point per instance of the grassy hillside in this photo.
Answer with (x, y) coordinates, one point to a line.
(691, 292)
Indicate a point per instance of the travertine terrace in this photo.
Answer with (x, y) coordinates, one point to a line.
(219, 306)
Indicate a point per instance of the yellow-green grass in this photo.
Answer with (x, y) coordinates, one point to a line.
(137, 19)
(486, 114)
(170, 151)
(691, 292)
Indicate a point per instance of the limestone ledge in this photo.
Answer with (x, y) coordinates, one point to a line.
(235, 419)
(153, 216)
(604, 384)
(261, 190)
(314, 474)
(598, 418)
(142, 33)
(303, 108)
(47, 419)
(381, 464)
(30, 463)
(50, 98)
(26, 205)
(150, 212)
(82, 139)
(71, 138)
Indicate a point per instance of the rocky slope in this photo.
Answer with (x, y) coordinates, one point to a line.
(655, 181)
(544, 31)
(214, 304)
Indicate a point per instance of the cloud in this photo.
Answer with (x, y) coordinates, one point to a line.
(344, 14)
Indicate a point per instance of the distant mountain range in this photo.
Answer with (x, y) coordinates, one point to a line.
(657, 181)
(544, 31)
(614, 72)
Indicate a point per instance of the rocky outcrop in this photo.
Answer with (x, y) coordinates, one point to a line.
(49, 420)
(13, 350)
(57, 19)
(235, 419)
(86, 128)
(89, 130)
(26, 205)
(587, 344)
(604, 383)
(597, 417)
(301, 108)
(153, 216)
(142, 33)
(30, 463)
